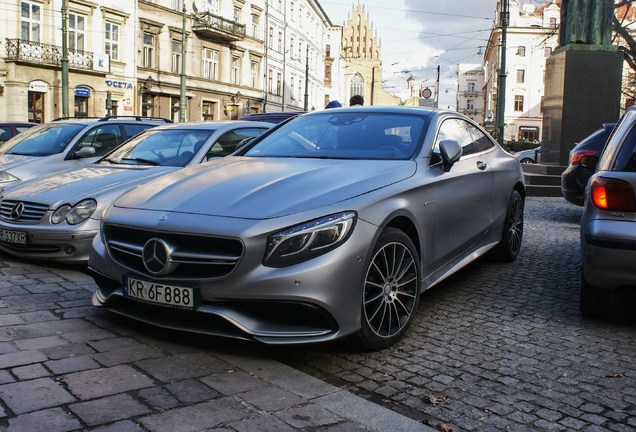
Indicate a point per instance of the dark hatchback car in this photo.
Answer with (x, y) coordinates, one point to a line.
(10, 129)
(272, 117)
(583, 159)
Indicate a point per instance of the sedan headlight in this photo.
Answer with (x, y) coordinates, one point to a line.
(74, 214)
(308, 240)
(5, 177)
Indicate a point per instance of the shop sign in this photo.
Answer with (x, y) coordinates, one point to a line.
(38, 86)
(101, 62)
(82, 91)
(119, 84)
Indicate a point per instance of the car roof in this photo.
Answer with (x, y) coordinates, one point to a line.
(214, 124)
(17, 124)
(106, 119)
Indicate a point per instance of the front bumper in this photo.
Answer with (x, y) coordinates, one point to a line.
(44, 243)
(314, 301)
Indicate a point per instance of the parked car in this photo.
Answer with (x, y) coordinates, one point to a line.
(608, 223)
(330, 225)
(583, 159)
(272, 117)
(63, 144)
(10, 129)
(56, 217)
(530, 156)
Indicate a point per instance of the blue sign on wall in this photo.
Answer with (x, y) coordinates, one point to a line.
(82, 91)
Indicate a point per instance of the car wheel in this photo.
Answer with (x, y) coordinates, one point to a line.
(527, 161)
(391, 290)
(510, 244)
(591, 299)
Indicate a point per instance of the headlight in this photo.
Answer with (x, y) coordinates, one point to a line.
(5, 177)
(308, 240)
(75, 214)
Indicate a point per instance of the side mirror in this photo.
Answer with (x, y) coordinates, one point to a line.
(589, 161)
(85, 152)
(450, 151)
(244, 142)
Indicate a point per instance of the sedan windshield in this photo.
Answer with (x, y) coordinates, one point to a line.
(344, 135)
(42, 140)
(169, 147)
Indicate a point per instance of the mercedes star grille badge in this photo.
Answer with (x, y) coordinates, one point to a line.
(16, 211)
(157, 257)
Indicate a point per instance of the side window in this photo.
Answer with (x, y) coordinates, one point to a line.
(135, 129)
(5, 133)
(456, 130)
(480, 141)
(102, 138)
(228, 142)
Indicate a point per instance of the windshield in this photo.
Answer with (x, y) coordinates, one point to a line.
(344, 135)
(168, 147)
(42, 140)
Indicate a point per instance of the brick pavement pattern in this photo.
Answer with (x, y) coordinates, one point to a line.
(503, 346)
(496, 347)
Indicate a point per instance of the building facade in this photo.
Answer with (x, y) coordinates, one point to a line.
(470, 92)
(126, 58)
(532, 34)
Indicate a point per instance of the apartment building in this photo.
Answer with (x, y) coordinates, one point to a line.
(532, 34)
(470, 96)
(101, 62)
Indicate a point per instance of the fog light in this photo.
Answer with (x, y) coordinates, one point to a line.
(69, 250)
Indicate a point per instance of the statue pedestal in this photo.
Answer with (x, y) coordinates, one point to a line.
(582, 91)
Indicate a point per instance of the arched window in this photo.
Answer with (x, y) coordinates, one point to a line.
(357, 85)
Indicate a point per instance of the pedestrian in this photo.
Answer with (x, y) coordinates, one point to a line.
(356, 100)
(333, 104)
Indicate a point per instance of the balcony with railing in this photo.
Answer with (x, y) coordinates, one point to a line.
(46, 54)
(210, 26)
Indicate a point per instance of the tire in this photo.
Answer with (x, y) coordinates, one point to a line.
(592, 300)
(527, 161)
(508, 248)
(391, 291)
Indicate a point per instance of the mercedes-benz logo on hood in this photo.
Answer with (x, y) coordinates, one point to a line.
(16, 211)
(157, 257)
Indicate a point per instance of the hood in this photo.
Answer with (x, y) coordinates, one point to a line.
(263, 188)
(88, 182)
(12, 161)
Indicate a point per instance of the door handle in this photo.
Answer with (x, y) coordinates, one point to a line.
(482, 165)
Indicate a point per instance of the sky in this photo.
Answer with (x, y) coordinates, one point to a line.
(419, 35)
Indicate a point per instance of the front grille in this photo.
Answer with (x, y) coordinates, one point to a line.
(31, 212)
(197, 256)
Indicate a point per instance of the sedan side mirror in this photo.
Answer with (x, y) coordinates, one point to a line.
(451, 151)
(589, 161)
(85, 152)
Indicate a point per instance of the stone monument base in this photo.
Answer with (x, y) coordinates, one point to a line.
(582, 91)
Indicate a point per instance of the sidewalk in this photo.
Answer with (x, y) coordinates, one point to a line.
(65, 366)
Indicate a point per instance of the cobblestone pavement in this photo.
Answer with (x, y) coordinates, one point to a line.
(503, 346)
(496, 347)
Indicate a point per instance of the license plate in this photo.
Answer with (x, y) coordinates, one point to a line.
(160, 293)
(8, 236)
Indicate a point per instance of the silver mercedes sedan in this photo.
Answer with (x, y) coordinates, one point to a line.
(56, 217)
(328, 226)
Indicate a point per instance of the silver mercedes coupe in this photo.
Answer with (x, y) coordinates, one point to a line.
(329, 226)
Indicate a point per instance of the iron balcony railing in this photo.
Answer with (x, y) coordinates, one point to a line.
(42, 53)
(212, 26)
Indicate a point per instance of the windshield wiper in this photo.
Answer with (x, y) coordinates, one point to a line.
(142, 160)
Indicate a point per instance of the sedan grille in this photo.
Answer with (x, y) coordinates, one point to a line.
(195, 256)
(22, 211)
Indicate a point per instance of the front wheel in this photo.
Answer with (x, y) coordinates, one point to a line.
(510, 245)
(391, 290)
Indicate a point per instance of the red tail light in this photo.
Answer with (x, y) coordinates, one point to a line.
(613, 194)
(575, 157)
